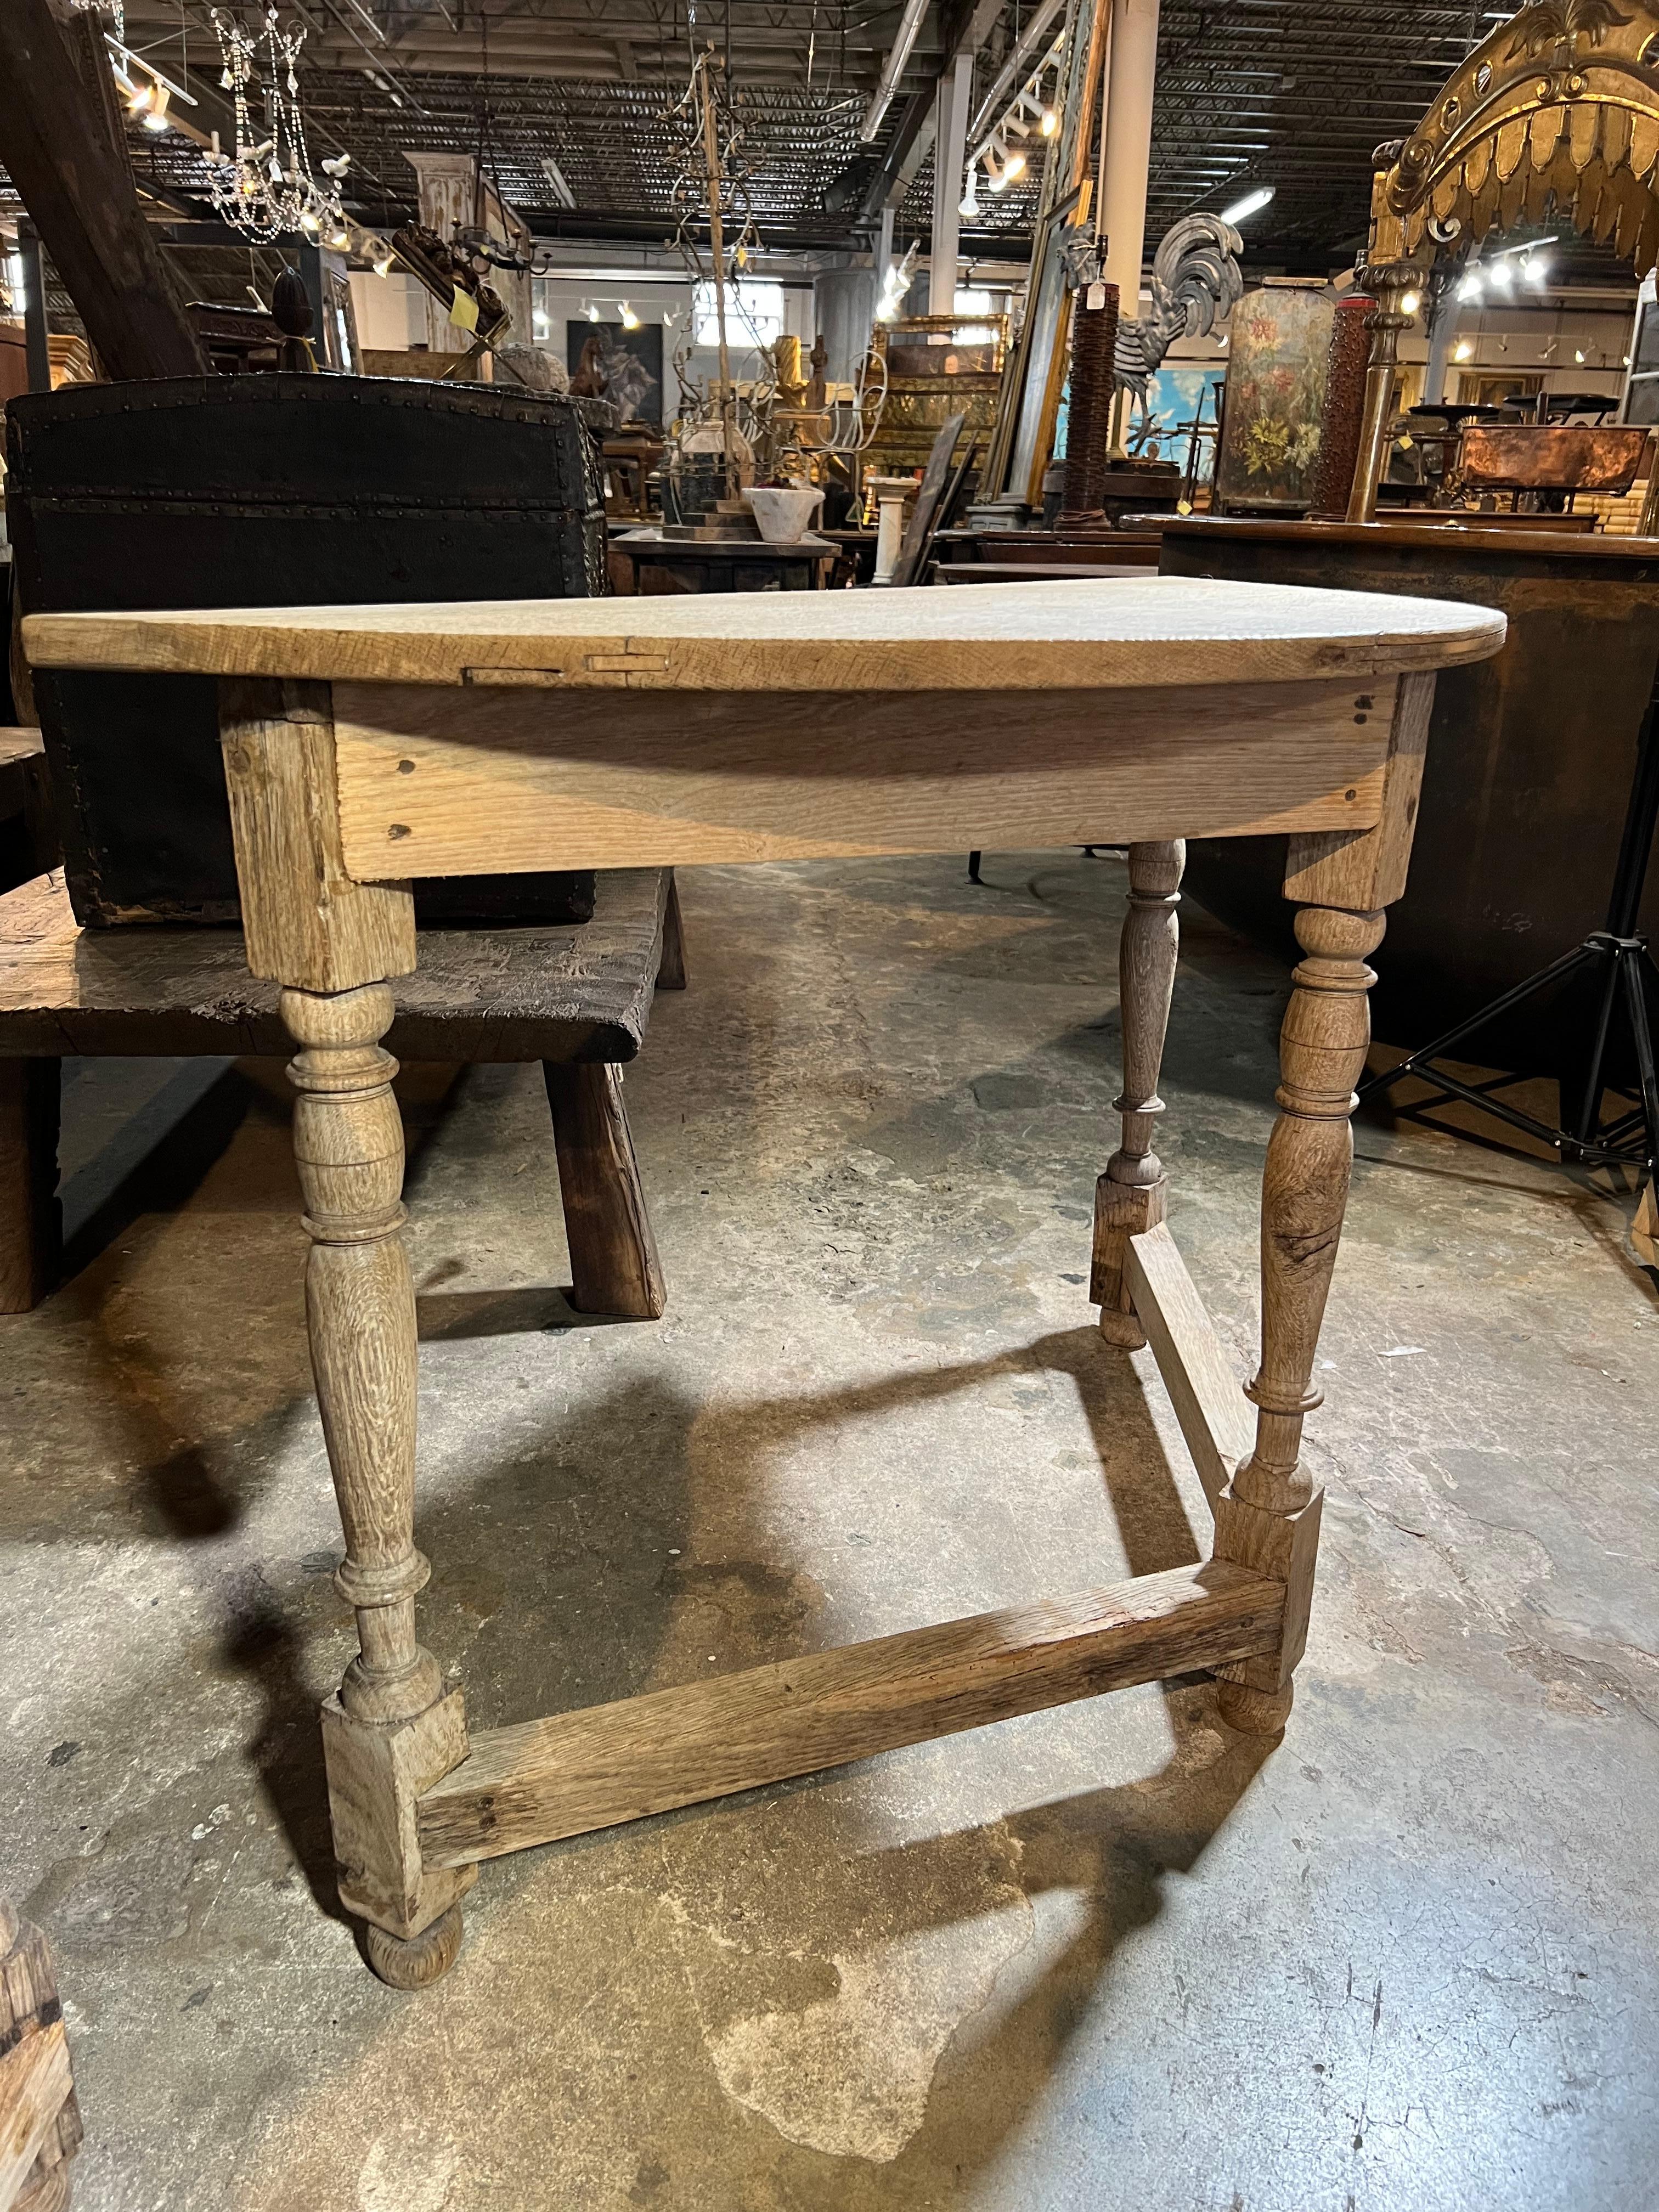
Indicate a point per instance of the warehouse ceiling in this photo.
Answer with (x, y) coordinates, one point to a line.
(1291, 92)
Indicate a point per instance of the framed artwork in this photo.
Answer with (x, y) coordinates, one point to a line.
(1640, 404)
(626, 366)
(1038, 361)
(1281, 337)
(1489, 387)
(1176, 397)
(339, 333)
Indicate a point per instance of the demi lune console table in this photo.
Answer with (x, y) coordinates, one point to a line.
(365, 745)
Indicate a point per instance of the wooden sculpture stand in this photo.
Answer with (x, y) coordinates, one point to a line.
(1226, 726)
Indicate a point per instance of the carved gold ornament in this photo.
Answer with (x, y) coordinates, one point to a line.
(1560, 103)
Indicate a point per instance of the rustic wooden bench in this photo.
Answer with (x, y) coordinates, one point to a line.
(575, 996)
(28, 835)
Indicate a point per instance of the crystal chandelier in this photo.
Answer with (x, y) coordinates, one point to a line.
(115, 9)
(266, 189)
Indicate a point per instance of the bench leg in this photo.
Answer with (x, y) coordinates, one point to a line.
(671, 968)
(30, 1218)
(1129, 1197)
(613, 1254)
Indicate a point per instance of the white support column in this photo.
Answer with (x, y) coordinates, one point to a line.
(1132, 72)
(949, 149)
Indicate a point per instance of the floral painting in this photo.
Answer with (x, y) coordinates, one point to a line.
(1275, 396)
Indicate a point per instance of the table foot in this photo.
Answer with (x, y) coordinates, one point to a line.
(1255, 1712)
(416, 1963)
(50, 2193)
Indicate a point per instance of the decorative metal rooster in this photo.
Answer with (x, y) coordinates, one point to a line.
(1196, 283)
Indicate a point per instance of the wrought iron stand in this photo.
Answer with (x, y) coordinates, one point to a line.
(1619, 954)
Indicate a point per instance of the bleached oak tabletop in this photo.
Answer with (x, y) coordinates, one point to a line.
(1154, 631)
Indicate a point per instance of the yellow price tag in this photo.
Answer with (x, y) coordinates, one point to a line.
(464, 312)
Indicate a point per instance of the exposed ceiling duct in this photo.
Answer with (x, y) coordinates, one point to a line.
(892, 69)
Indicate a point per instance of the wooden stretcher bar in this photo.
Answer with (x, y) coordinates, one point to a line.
(606, 1764)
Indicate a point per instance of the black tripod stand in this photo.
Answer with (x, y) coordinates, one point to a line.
(1619, 954)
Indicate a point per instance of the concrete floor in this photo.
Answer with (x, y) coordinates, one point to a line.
(1111, 1956)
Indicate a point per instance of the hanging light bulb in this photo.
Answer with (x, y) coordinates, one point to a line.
(996, 180)
(383, 257)
(156, 117)
(1013, 166)
(592, 311)
(969, 204)
(1048, 123)
(1472, 288)
(1536, 269)
(339, 237)
(1503, 274)
(1463, 350)
(141, 98)
(1410, 302)
(309, 224)
(631, 321)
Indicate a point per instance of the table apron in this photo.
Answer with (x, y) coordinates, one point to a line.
(476, 779)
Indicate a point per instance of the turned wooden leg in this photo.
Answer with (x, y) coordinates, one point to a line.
(1267, 1518)
(30, 1218)
(613, 1254)
(390, 1731)
(1129, 1197)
